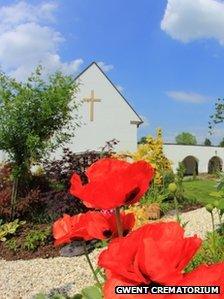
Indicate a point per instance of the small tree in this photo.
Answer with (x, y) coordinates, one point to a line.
(186, 138)
(34, 118)
(207, 142)
(218, 116)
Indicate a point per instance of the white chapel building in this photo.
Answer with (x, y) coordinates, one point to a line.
(105, 114)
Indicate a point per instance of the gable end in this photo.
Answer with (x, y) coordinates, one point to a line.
(138, 123)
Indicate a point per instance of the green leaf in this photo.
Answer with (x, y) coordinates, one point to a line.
(92, 292)
(217, 194)
(221, 205)
(77, 296)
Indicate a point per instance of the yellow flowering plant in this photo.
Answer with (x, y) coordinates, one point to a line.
(151, 151)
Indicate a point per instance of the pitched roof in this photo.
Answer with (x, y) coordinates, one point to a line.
(94, 63)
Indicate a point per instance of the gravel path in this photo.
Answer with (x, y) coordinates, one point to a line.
(199, 222)
(24, 279)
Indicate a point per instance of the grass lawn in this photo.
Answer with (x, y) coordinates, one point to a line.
(200, 190)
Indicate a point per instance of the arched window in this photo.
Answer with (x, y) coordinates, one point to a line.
(191, 165)
(214, 165)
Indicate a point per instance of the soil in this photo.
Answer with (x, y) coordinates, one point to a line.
(191, 207)
(44, 251)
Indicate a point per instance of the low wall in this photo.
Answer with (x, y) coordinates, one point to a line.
(177, 153)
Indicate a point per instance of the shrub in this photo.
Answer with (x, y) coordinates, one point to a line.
(179, 181)
(60, 171)
(152, 152)
(26, 203)
(5, 189)
(168, 177)
(207, 254)
(24, 207)
(36, 238)
(12, 244)
(9, 228)
(54, 204)
(39, 203)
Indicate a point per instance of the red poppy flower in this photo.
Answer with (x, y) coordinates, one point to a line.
(154, 253)
(202, 276)
(62, 230)
(68, 228)
(88, 226)
(113, 183)
(157, 254)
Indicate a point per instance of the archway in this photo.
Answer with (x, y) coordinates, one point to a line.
(191, 165)
(214, 165)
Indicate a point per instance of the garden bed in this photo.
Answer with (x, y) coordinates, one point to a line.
(19, 247)
(191, 207)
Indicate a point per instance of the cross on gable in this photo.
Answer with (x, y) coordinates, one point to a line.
(91, 100)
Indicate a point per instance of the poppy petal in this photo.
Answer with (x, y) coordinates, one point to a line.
(113, 183)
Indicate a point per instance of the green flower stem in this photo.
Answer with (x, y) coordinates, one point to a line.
(213, 233)
(102, 274)
(90, 265)
(176, 208)
(118, 222)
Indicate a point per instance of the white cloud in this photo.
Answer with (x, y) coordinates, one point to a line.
(27, 39)
(105, 67)
(25, 12)
(188, 20)
(187, 97)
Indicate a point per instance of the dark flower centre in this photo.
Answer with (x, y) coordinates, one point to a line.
(125, 232)
(107, 233)
(84, 178)
(131, 195)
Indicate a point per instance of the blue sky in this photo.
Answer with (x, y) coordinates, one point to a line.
(167, 56)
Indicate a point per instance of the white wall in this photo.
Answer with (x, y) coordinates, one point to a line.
(176, 153)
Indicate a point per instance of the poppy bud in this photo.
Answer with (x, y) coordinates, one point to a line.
(172, 187)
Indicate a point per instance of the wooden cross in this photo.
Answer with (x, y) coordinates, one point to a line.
(91, 100)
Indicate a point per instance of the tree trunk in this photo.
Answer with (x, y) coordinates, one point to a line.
(14, 197)
(21, 180)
